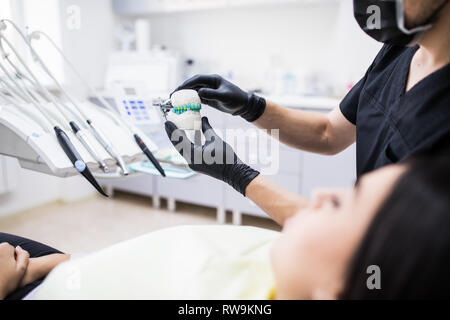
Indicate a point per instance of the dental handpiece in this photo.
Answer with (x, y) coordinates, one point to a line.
(109, 148)
(82, 136)
(164, 106)
(149, 154)
(101, 138)
(76, 159)
(97, 133)
(63, 139)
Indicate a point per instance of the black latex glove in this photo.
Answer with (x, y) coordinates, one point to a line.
(221, 94)
(215, 158)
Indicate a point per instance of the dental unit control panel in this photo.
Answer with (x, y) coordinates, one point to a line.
(133, 104)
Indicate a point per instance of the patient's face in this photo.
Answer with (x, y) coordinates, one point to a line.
(312, 255)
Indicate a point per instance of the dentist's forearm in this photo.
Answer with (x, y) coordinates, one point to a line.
(299, 129)
(277, 202)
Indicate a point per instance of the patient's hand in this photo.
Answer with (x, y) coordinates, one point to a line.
(13, 265)
(40, 267)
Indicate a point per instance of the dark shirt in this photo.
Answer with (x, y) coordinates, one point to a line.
(392, 125)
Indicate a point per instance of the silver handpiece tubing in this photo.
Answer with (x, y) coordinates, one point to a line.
(109, 147)
(82, 136)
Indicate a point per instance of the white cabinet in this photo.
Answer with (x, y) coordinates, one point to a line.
(3, 185)
(146, 7)
(142, 184)
(199, 189)
(186, 5)
(238, 203)
(296, 170)
(143, 7)
(8, 174)
(337, 171)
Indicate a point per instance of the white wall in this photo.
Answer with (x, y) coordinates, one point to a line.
(32, 189)
(322, 37)
(88, 47)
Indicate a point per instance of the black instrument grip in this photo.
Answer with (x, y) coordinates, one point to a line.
(149, 154)
(76, 159)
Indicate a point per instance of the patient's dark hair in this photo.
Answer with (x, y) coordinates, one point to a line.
(409, 238)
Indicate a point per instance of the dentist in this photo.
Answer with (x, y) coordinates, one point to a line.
(399, 109)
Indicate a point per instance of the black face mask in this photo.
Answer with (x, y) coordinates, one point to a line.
(384, 20)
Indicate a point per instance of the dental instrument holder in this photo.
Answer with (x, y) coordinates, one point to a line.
(22, 137)
(37, 149)
(95, 130)
(64, 141)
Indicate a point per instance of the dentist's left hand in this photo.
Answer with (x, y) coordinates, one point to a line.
(215, 158)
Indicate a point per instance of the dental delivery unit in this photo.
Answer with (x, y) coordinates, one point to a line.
(59, 135)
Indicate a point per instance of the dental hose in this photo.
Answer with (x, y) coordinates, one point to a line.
(97, 133)
(64, 141)
(35, 82)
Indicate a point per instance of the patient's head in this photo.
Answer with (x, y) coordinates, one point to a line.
(396, 218)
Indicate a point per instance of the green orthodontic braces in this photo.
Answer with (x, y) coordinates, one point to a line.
(192, 107)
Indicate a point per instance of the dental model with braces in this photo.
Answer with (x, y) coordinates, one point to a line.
(186, 110)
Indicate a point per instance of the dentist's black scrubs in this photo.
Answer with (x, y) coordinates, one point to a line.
(392, 125)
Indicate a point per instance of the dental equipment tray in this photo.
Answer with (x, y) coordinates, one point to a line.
(37, 148)
(171, 170)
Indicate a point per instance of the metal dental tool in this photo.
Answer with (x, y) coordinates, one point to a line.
(35, 36)
(46, 125)
(164, 106)
(106, 144)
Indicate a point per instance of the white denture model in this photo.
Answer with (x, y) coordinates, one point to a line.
(186, 110)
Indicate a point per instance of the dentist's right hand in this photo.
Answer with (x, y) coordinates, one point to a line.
(215, 158)
(224, 96)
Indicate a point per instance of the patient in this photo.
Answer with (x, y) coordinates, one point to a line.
(396, 218)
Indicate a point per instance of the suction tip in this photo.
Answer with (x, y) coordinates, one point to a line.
(104, 167)
(122, 166)
(149, 155)
(89, 177)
